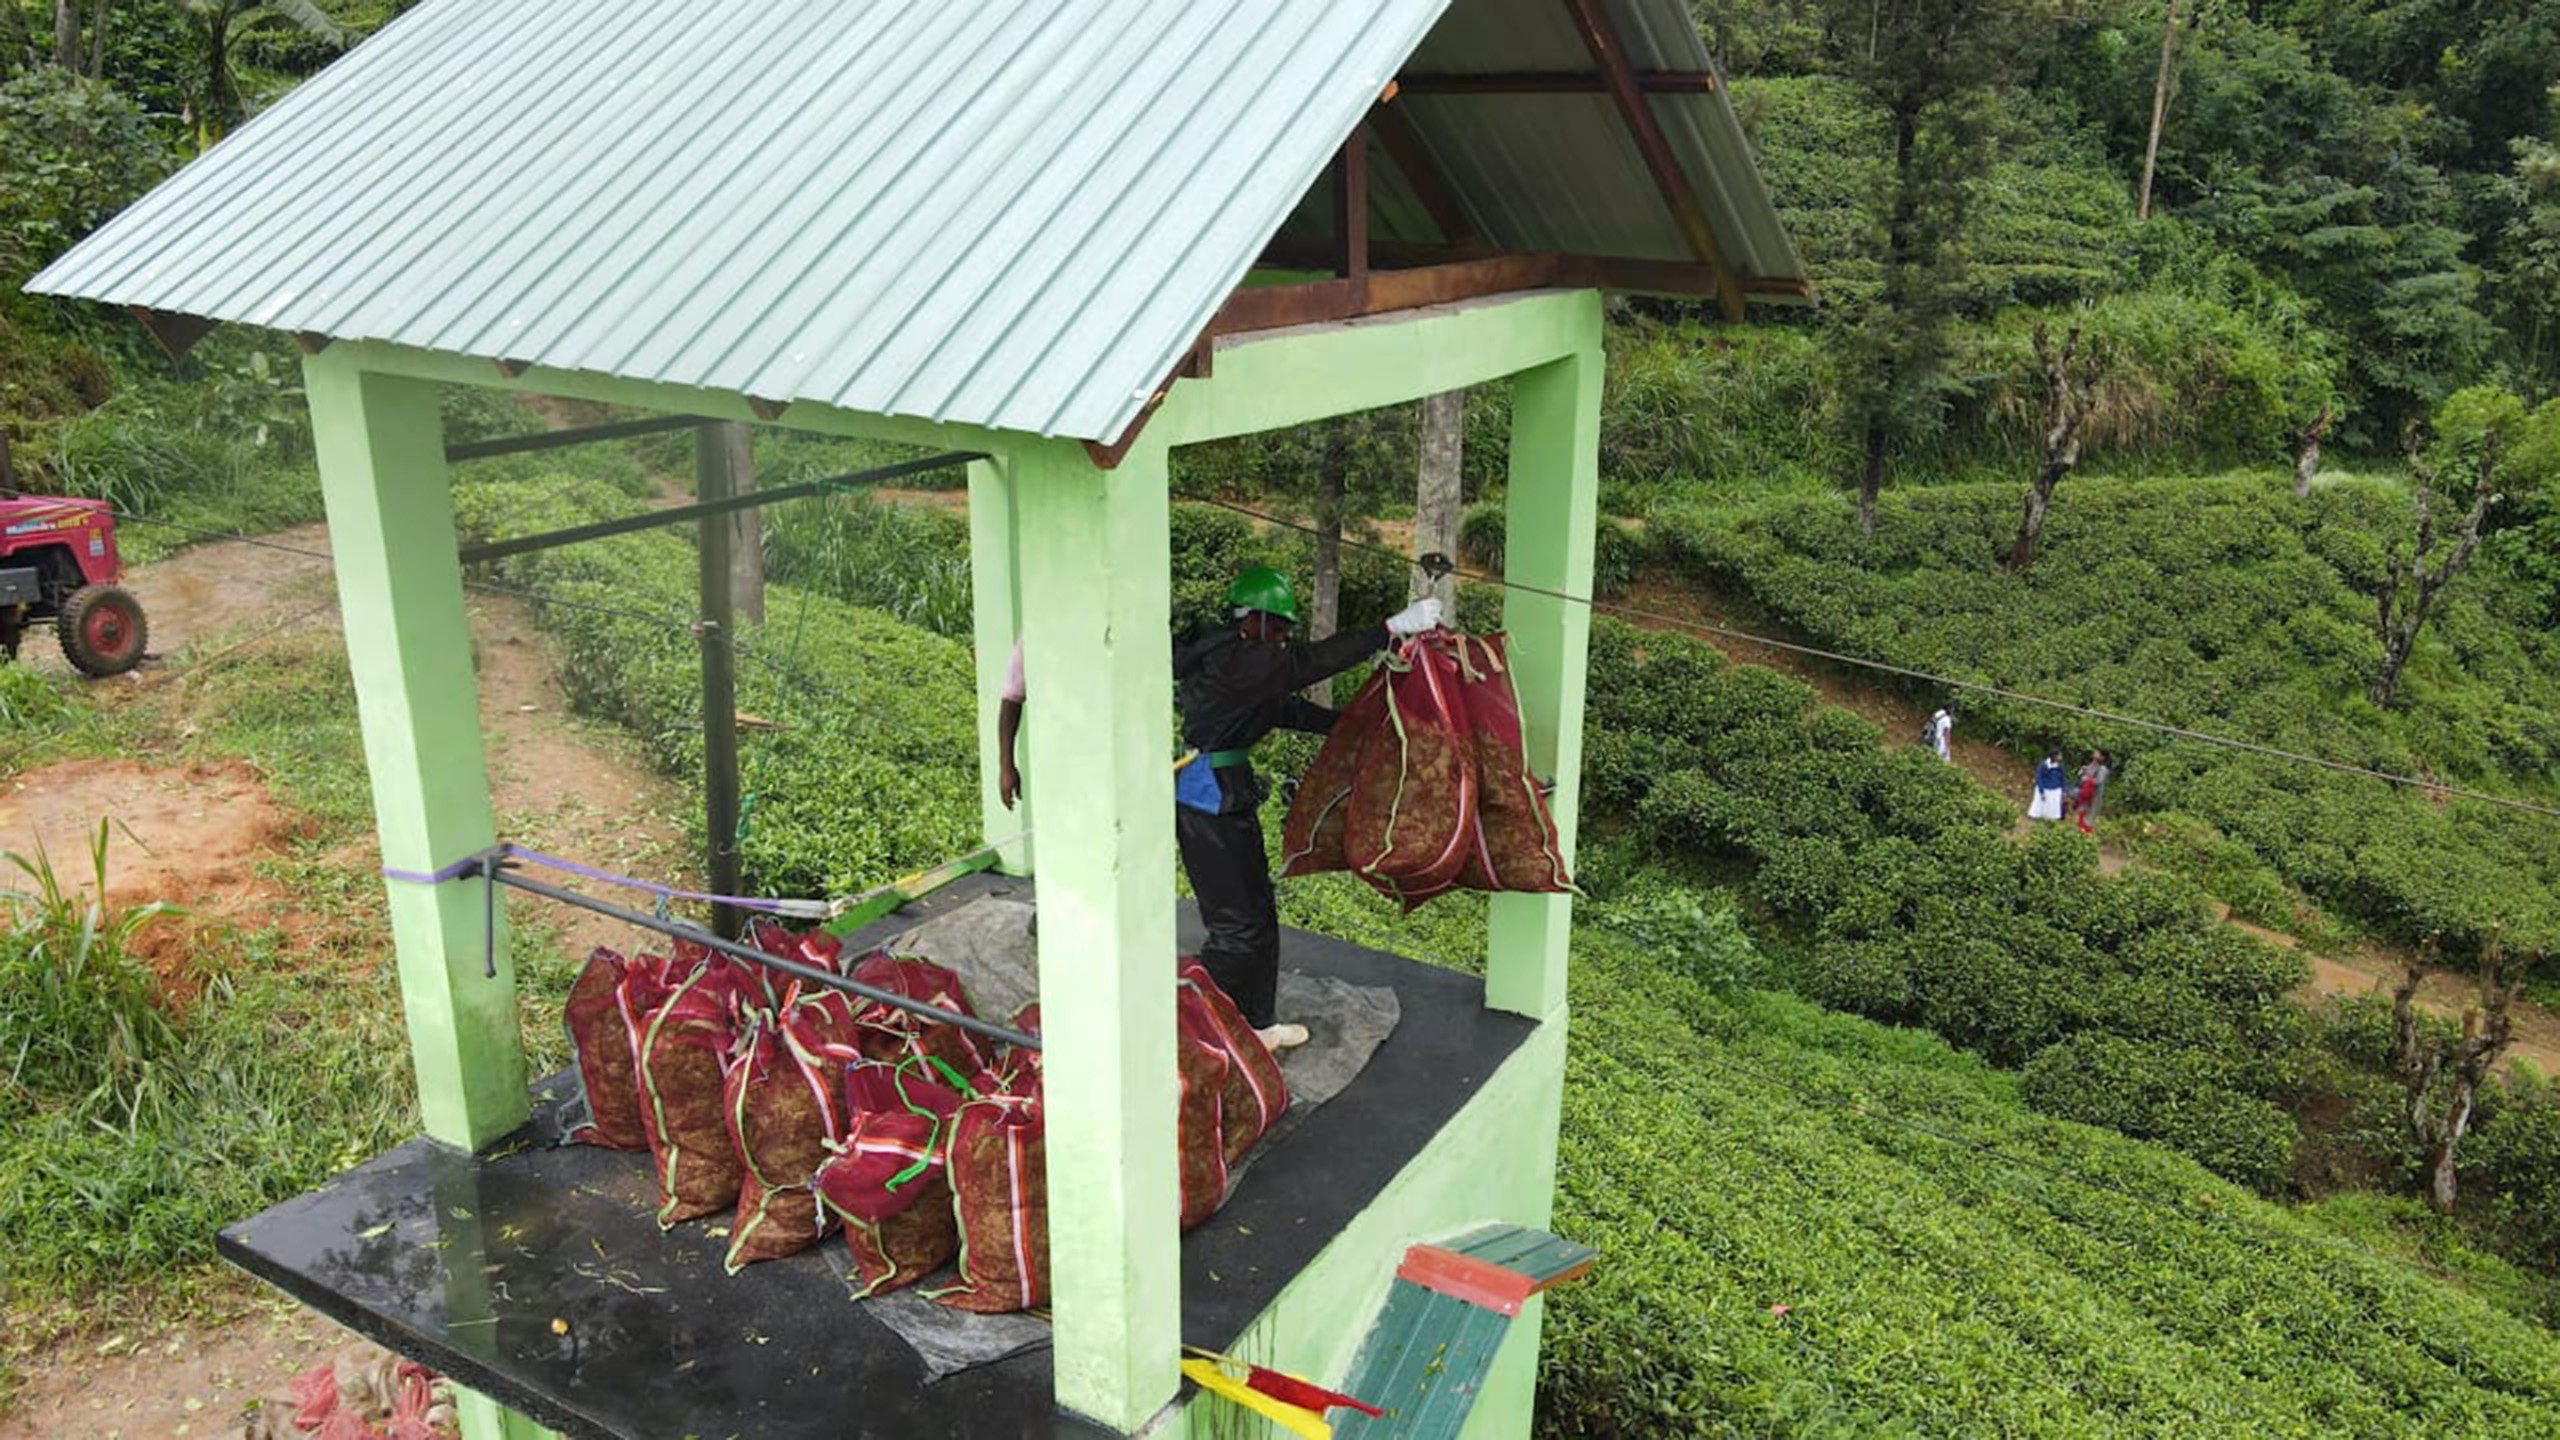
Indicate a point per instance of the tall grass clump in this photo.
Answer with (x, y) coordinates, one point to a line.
(910, 561)
(82, 1024)
(131, 1131)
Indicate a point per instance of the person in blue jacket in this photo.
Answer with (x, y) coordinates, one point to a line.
(2047, 803)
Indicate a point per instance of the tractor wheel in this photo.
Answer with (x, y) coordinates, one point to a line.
(102, 630)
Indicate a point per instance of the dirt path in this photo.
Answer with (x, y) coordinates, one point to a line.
(203, 832)
(188, 1381)
(1999, 771)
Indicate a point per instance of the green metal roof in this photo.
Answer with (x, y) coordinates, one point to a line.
(1015, 213)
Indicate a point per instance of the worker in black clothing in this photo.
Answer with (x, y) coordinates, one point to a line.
(1235, 682)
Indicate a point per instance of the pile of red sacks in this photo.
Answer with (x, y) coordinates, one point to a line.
(803, 1108)
(1424, 785)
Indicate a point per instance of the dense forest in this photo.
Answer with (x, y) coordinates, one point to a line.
(2180, 372)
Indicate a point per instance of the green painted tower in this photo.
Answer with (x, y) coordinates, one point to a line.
(1023, 232)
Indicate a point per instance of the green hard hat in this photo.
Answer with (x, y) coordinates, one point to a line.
(1265, 589)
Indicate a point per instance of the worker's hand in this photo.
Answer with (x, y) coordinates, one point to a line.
(1415, 618)
(1008, 784)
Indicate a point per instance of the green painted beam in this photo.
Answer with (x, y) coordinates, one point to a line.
(1290, 377)
(1095, 606)
(995, 590)
(382, 475)
(1494, 1160)
(1552, 509)
(664, 398)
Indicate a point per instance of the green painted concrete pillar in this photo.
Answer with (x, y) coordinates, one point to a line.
(1095, 606)
(1553, 506)
(995, 589)
(382, 473)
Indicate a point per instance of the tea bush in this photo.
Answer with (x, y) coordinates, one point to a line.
(1811, 1225)
(871, 769)
(2225, 606)
(1915, 905)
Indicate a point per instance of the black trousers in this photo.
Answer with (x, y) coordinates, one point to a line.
(1223, 856)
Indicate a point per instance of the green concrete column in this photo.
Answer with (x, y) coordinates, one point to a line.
(382, 473)
(1554, 501)
(995, 589)
(1096, 610)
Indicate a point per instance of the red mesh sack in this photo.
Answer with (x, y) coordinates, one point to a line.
(1516, 845)
(601, 1040)
(893, 1250)
(1411, 814)
(1311, 839)
(998, 1165)
(815, 947)
(887, 1181)
(1200, 1127)
(681, 1061)
(784, 1103)
(1252, 1093)
(890, 1034)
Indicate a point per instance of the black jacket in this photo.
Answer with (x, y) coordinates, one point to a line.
(1233, 691)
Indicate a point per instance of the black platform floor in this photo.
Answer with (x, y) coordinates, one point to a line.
(535, 1274)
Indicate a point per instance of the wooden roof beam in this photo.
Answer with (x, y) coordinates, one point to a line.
(1601, 38)
(1404, 147)
(1556, 82)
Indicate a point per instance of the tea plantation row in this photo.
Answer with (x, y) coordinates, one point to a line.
(2226, 606)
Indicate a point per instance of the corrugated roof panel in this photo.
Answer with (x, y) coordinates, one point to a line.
(1015, 213)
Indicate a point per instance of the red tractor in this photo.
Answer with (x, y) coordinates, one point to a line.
(58, 562)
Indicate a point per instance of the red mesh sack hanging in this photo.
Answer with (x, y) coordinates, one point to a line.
(1516, 845)
(890, 1034)
(1253, 1093)
(998, 1165)
(1411, 813)
(887, 1181)
(1311, 839)
(785, 1102)
(601, 1040)
(681, 1061)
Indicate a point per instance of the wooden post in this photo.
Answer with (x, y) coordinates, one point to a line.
(746, 531)
(1439, 498)
(711, 457)
(1096, 611)
(1552, 509)
(382, 475)
(1351, 212)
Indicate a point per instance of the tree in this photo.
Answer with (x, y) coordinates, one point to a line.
(1935, 68)
(2442, 1081)
(2306, 452)
(2529, 273)
(219, 26)
(2160, 101)
(2070, 391)
(1439, 497)
(2473, 428)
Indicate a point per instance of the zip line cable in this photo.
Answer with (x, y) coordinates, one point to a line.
(1634, 612)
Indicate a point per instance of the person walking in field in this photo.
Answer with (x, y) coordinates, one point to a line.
(1940, 733)
(2093, 790)
(2046, 804)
